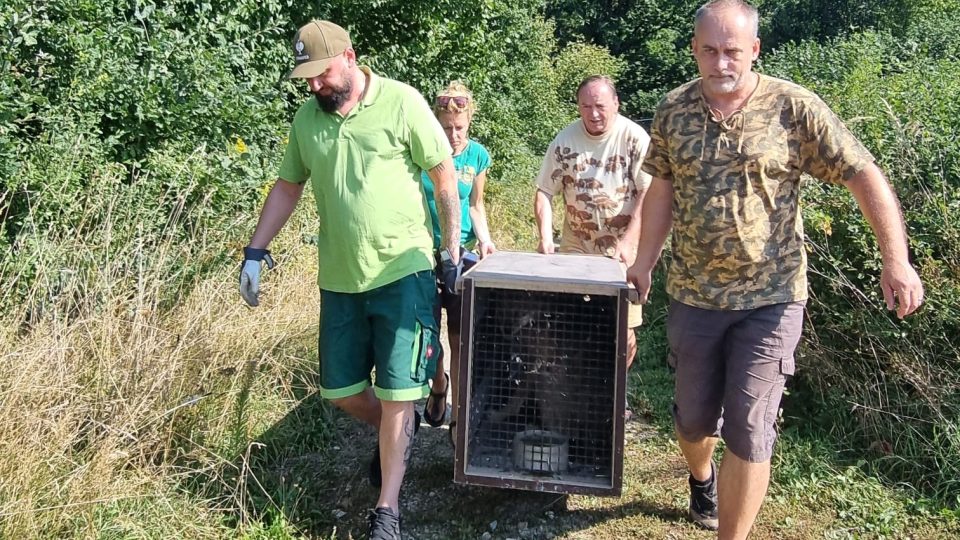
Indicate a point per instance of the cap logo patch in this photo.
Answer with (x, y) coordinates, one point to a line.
(299, 48)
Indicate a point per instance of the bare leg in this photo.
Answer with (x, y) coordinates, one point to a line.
(698, 455)
(741, 489)
(396, 443)
(631, 346)
(363, 406)
(439, 382)
(435, 409)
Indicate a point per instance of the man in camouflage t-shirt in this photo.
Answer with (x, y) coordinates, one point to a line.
(594, 164)
(727, 152)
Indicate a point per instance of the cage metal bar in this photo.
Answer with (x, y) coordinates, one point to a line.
(484, 458)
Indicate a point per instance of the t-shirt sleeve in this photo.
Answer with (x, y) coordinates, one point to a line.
(657, 161)
(829, 150)
(292, 168)
(551, 170)
(483, 159)
(641, 179)
(428, 144)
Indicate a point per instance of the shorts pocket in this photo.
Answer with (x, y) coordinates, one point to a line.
(788, 366)
(674, 334)
(425, 349)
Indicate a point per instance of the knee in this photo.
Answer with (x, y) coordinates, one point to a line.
(347, 403)
(694, 424)
(750, 439)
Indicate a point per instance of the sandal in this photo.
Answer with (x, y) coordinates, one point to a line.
(429, 407)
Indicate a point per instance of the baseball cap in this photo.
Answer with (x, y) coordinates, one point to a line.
(315, 45)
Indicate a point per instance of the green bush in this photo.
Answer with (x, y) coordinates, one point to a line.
(651, 38)
(112, 104)
(897, 383)
(93, 86)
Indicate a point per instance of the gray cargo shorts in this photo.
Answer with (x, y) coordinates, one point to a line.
(731, 367)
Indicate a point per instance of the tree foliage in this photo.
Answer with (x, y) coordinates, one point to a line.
(651, 37)
(110, 85)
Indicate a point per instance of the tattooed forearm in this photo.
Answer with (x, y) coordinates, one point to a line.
(448, 203)
(449, 219)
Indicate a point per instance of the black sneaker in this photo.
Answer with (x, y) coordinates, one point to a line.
(384, 524)
(703, 501)
(374, 472)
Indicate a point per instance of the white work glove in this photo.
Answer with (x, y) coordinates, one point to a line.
(250, 274)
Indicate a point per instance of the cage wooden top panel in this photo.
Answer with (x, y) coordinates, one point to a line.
(593, 274)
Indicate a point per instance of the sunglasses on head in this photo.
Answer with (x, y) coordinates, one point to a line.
(460, 101)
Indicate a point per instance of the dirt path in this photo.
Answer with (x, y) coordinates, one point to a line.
(653, 504)
(433, 507)
(312, 467)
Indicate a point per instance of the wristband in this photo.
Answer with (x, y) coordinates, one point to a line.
(257, 254)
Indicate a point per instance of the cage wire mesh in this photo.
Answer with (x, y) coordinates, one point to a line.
(542, 380)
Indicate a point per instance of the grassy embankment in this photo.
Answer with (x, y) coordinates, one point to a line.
(129, 419)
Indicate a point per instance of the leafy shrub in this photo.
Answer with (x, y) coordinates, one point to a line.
(901, 380)
(117, 86)
(651, 38)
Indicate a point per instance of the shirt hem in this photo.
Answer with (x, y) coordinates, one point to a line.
(424, 263)
(741, 306)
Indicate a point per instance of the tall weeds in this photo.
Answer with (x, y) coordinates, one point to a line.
(123, 345)
(887, 390)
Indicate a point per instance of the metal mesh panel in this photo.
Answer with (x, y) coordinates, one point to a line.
(542, 385)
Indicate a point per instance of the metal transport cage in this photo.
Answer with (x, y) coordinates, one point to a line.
(542, 374)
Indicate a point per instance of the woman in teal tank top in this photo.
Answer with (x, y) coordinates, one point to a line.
(454, 108)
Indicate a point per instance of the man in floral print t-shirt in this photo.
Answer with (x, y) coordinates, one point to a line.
(594, 163)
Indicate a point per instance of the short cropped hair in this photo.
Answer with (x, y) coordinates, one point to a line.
(715, 5)
(597, 78)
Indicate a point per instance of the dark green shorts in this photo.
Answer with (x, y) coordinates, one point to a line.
(390, 328)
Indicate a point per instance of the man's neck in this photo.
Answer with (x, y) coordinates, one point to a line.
(727, 104)
(360, 83)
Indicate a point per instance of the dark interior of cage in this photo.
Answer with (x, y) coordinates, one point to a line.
(542, 383)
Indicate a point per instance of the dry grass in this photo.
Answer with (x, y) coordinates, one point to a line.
(142, 403)
(106, 395)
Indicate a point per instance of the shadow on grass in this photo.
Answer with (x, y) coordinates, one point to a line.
(810, 463)
(310, 471)
(307, 472)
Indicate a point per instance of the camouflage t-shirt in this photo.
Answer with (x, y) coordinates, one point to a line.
(737, 229)
(599, 176)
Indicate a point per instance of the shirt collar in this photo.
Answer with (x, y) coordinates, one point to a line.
(370, 93)
(373, 87)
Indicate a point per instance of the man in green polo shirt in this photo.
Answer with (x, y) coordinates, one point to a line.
(362, 141)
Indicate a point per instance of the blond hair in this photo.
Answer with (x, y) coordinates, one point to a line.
(455, 89)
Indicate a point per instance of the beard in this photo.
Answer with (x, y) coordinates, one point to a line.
(338, 96)
(731, 84)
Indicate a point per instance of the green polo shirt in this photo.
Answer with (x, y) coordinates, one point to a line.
(365, 172)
